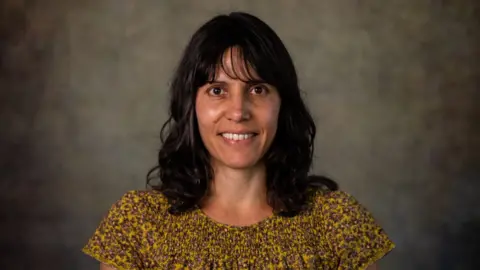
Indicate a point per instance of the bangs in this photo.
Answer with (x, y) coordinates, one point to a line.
(236, 49)
(234, 64)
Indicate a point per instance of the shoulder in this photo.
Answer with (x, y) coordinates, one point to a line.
(350, 229)
(338, 208)
(334, 201)
(136, 204)
(325, 200)
(118, 240)
(151, 198)
(144, 198)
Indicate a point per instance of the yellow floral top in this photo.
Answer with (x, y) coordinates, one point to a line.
(336, 232)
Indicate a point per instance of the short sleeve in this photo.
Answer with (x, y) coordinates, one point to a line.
(352, 232)
(113, 243)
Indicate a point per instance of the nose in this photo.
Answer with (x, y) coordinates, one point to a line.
(239, 107)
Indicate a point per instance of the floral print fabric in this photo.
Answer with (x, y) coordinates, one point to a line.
(336, 232)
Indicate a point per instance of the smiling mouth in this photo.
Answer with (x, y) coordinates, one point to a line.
(238, 136)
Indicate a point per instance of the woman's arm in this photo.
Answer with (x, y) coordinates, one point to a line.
(371, 267)
(106, 267)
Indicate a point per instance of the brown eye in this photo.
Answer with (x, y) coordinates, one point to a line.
(216, 91)
(259, 90)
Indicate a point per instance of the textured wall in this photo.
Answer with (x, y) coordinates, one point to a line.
(393, 86)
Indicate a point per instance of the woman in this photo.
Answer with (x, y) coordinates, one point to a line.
(235, 191)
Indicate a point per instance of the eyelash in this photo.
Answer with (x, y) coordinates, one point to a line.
(264, 88)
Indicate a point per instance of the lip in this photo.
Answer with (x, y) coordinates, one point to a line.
(239, 142)
(239, 132)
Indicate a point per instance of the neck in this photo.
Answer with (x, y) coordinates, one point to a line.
(238, 188)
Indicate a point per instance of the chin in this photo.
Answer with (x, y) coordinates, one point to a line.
(240, 163)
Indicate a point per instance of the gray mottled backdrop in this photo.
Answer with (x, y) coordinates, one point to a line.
(393, 86)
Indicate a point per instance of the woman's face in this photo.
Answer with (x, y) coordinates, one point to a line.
(237, 119)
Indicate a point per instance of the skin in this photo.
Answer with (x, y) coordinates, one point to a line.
(232, 104)
(106, 267)
(237, 105)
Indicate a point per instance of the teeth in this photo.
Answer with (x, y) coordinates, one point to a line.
(236, 136)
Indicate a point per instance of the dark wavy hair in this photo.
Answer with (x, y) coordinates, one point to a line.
(184, 166)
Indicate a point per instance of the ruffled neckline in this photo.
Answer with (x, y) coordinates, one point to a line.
(200, 213)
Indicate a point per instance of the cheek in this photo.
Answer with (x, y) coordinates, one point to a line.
(274, 122)
(270, 120)
(206, 116)
(274, 114)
